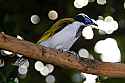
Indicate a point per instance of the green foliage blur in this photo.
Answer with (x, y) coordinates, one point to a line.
(15, 20)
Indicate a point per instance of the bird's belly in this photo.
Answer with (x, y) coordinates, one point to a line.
(62, 41)
(65, 38)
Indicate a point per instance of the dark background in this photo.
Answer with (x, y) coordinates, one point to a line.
(15, 20)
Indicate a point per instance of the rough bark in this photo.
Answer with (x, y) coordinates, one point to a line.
(62, 59)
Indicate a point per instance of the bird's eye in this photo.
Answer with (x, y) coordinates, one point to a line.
(87, 21)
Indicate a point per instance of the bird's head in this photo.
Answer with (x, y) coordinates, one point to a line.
(85, 19)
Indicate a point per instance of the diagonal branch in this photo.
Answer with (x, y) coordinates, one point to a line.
(61, 59)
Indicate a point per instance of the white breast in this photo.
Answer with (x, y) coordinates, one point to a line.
(65, 38)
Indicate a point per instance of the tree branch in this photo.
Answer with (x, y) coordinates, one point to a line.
(61, 59)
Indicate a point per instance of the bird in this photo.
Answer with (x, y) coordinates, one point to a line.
(65, 32)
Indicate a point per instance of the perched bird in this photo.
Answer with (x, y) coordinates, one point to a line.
(63, 34)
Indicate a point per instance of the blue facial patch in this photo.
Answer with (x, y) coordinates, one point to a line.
(84, 19)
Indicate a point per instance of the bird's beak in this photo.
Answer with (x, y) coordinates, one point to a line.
(95, 24)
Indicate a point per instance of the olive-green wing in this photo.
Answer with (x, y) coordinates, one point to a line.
(55, 28)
